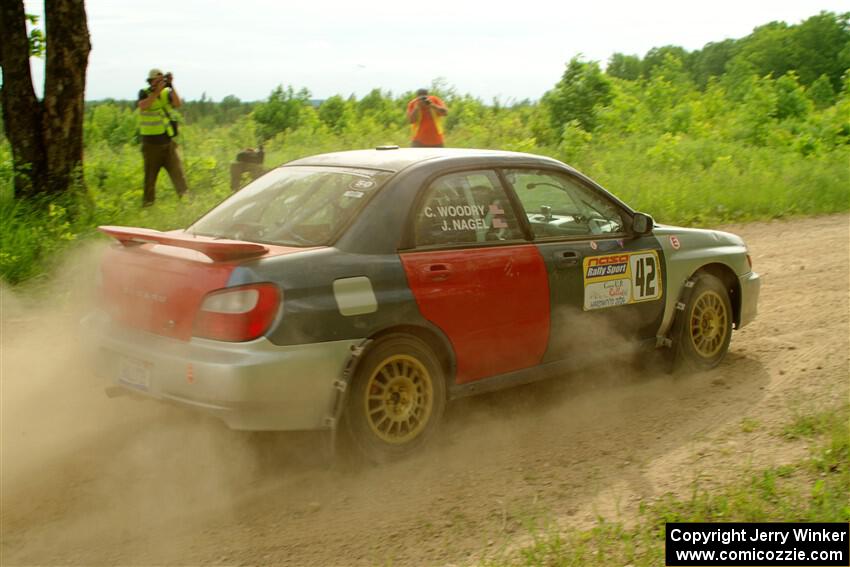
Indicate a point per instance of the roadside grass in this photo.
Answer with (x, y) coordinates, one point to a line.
(740, 185)
(808, 425)
(813, 489)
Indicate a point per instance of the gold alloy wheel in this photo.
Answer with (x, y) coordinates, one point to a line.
(709, 324)
(399, 399)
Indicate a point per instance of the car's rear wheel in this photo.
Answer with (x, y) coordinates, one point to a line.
(707, 325)
(396, 399)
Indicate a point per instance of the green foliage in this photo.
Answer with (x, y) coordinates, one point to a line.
(37, 40)
(574, 141)
(767, 50)
(381, 109)
(821, 92)
(113, 124)
(333, 113)
(284, 110)
(626, 67)
(791, 99)
(818, 46)
(711, 60)
(658, 56)
(822, 47)
(27, 248)
(582, 88)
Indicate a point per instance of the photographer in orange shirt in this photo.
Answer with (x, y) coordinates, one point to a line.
(426, 113)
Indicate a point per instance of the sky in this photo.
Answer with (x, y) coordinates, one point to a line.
(510, 51)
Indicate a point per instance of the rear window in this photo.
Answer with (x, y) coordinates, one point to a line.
(293, 206)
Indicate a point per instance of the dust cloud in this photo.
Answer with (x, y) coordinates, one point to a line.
(80, 462)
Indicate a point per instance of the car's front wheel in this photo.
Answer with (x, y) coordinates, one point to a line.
(396, 399)
(707, 325)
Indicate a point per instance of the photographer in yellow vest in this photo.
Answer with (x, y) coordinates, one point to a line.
(157, 128)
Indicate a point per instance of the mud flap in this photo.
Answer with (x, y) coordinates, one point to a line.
(341, 386)
(673, 337)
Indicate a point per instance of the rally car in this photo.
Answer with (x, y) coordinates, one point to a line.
(360, 291)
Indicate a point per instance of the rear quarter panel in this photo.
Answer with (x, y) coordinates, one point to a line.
(311, 309)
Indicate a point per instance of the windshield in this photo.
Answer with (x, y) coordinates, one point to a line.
(293, 206)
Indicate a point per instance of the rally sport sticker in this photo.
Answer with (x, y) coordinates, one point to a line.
(620, 279)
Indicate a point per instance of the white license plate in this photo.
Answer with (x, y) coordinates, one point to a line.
(134, 373)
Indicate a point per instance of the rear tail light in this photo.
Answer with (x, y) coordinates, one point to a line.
(750, 261)
(238, 314)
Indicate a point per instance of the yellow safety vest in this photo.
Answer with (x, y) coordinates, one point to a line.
(438, 122)
(157, 118)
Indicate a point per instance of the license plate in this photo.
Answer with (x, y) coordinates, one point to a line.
(134, 373)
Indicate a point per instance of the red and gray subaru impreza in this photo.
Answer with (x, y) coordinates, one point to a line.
(362, 290)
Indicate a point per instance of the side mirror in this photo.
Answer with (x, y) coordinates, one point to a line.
(642, 223)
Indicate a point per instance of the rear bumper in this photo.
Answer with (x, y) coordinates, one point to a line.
(750, 287)
(253, 386)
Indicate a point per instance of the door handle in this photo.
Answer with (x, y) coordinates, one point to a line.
(437, 272)
(566, 258)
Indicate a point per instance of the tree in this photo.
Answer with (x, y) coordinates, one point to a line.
(791, 99)
(822, 45)
(382, 108)
(711, 60)
(332, 113)
(46, 135)
(656, 56)
(769, 50)
(283, 110)
(821, 92)
(624, 66)
(581, 89)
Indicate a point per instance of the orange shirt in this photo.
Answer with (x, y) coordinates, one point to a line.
(426, 131)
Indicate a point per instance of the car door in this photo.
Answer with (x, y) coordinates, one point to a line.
(476, 277)
(606, 285)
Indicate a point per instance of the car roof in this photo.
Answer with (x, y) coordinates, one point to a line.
(393, 158)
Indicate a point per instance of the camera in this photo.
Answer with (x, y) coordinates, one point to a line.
(168, 78)
(424, 99)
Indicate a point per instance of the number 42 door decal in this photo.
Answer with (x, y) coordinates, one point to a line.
(621, 279)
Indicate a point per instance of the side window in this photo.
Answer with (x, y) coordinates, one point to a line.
(560, 206)
(467, 207)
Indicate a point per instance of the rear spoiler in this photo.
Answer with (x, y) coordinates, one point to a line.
(216, 250)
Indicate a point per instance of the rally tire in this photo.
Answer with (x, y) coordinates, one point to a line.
(396, 399)
(707, 325)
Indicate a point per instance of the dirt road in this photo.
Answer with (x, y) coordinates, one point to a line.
(88, 480)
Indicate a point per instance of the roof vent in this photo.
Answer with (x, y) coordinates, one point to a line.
(382, 148)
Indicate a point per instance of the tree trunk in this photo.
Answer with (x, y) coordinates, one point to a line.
(64, 92)
(46, 137)
(21, 109)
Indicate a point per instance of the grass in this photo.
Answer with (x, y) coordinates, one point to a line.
(748, 425)
(808, 425)
(748, 183)
(813, 489)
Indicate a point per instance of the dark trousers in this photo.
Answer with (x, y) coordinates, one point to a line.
(156, 157)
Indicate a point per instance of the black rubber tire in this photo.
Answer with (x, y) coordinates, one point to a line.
(707, 327)
(407, 399)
